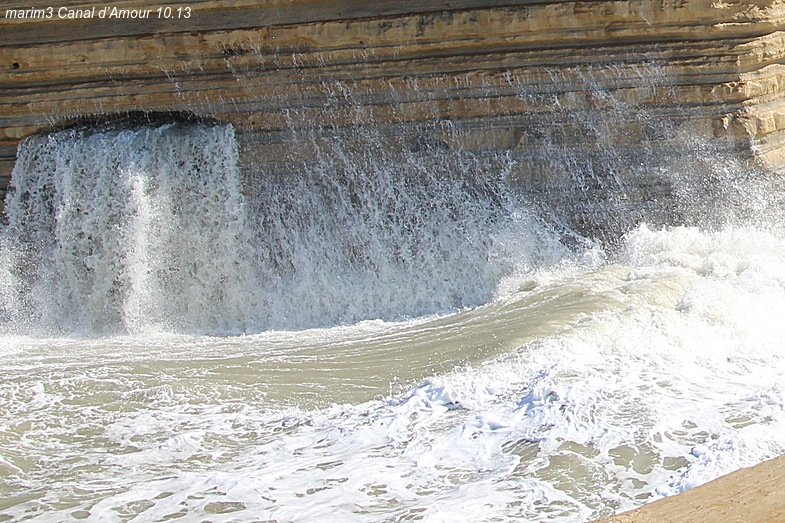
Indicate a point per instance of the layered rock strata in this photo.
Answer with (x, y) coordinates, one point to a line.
(470, 74)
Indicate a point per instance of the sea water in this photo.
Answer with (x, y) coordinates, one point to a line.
(371, 340)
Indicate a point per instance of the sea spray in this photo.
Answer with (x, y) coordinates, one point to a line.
(128, 230)
(371, 231)
(156, 229)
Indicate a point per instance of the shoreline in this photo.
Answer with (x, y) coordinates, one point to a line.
(750, 495)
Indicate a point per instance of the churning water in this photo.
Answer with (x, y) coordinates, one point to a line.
(378, 338)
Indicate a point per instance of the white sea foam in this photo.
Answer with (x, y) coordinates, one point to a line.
(676, 378)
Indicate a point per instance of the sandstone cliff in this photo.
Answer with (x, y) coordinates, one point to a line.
(493, 69)
(750, 495)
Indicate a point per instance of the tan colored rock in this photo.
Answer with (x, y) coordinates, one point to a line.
(282, 64)
(750, 495)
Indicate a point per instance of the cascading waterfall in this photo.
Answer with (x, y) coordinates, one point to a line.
(151, 229)
(155, 229)
(128, 230)
(366, 232)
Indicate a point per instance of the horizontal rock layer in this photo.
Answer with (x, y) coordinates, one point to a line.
(493, 70)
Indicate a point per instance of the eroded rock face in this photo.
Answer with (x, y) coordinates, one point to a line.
(504, 75)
